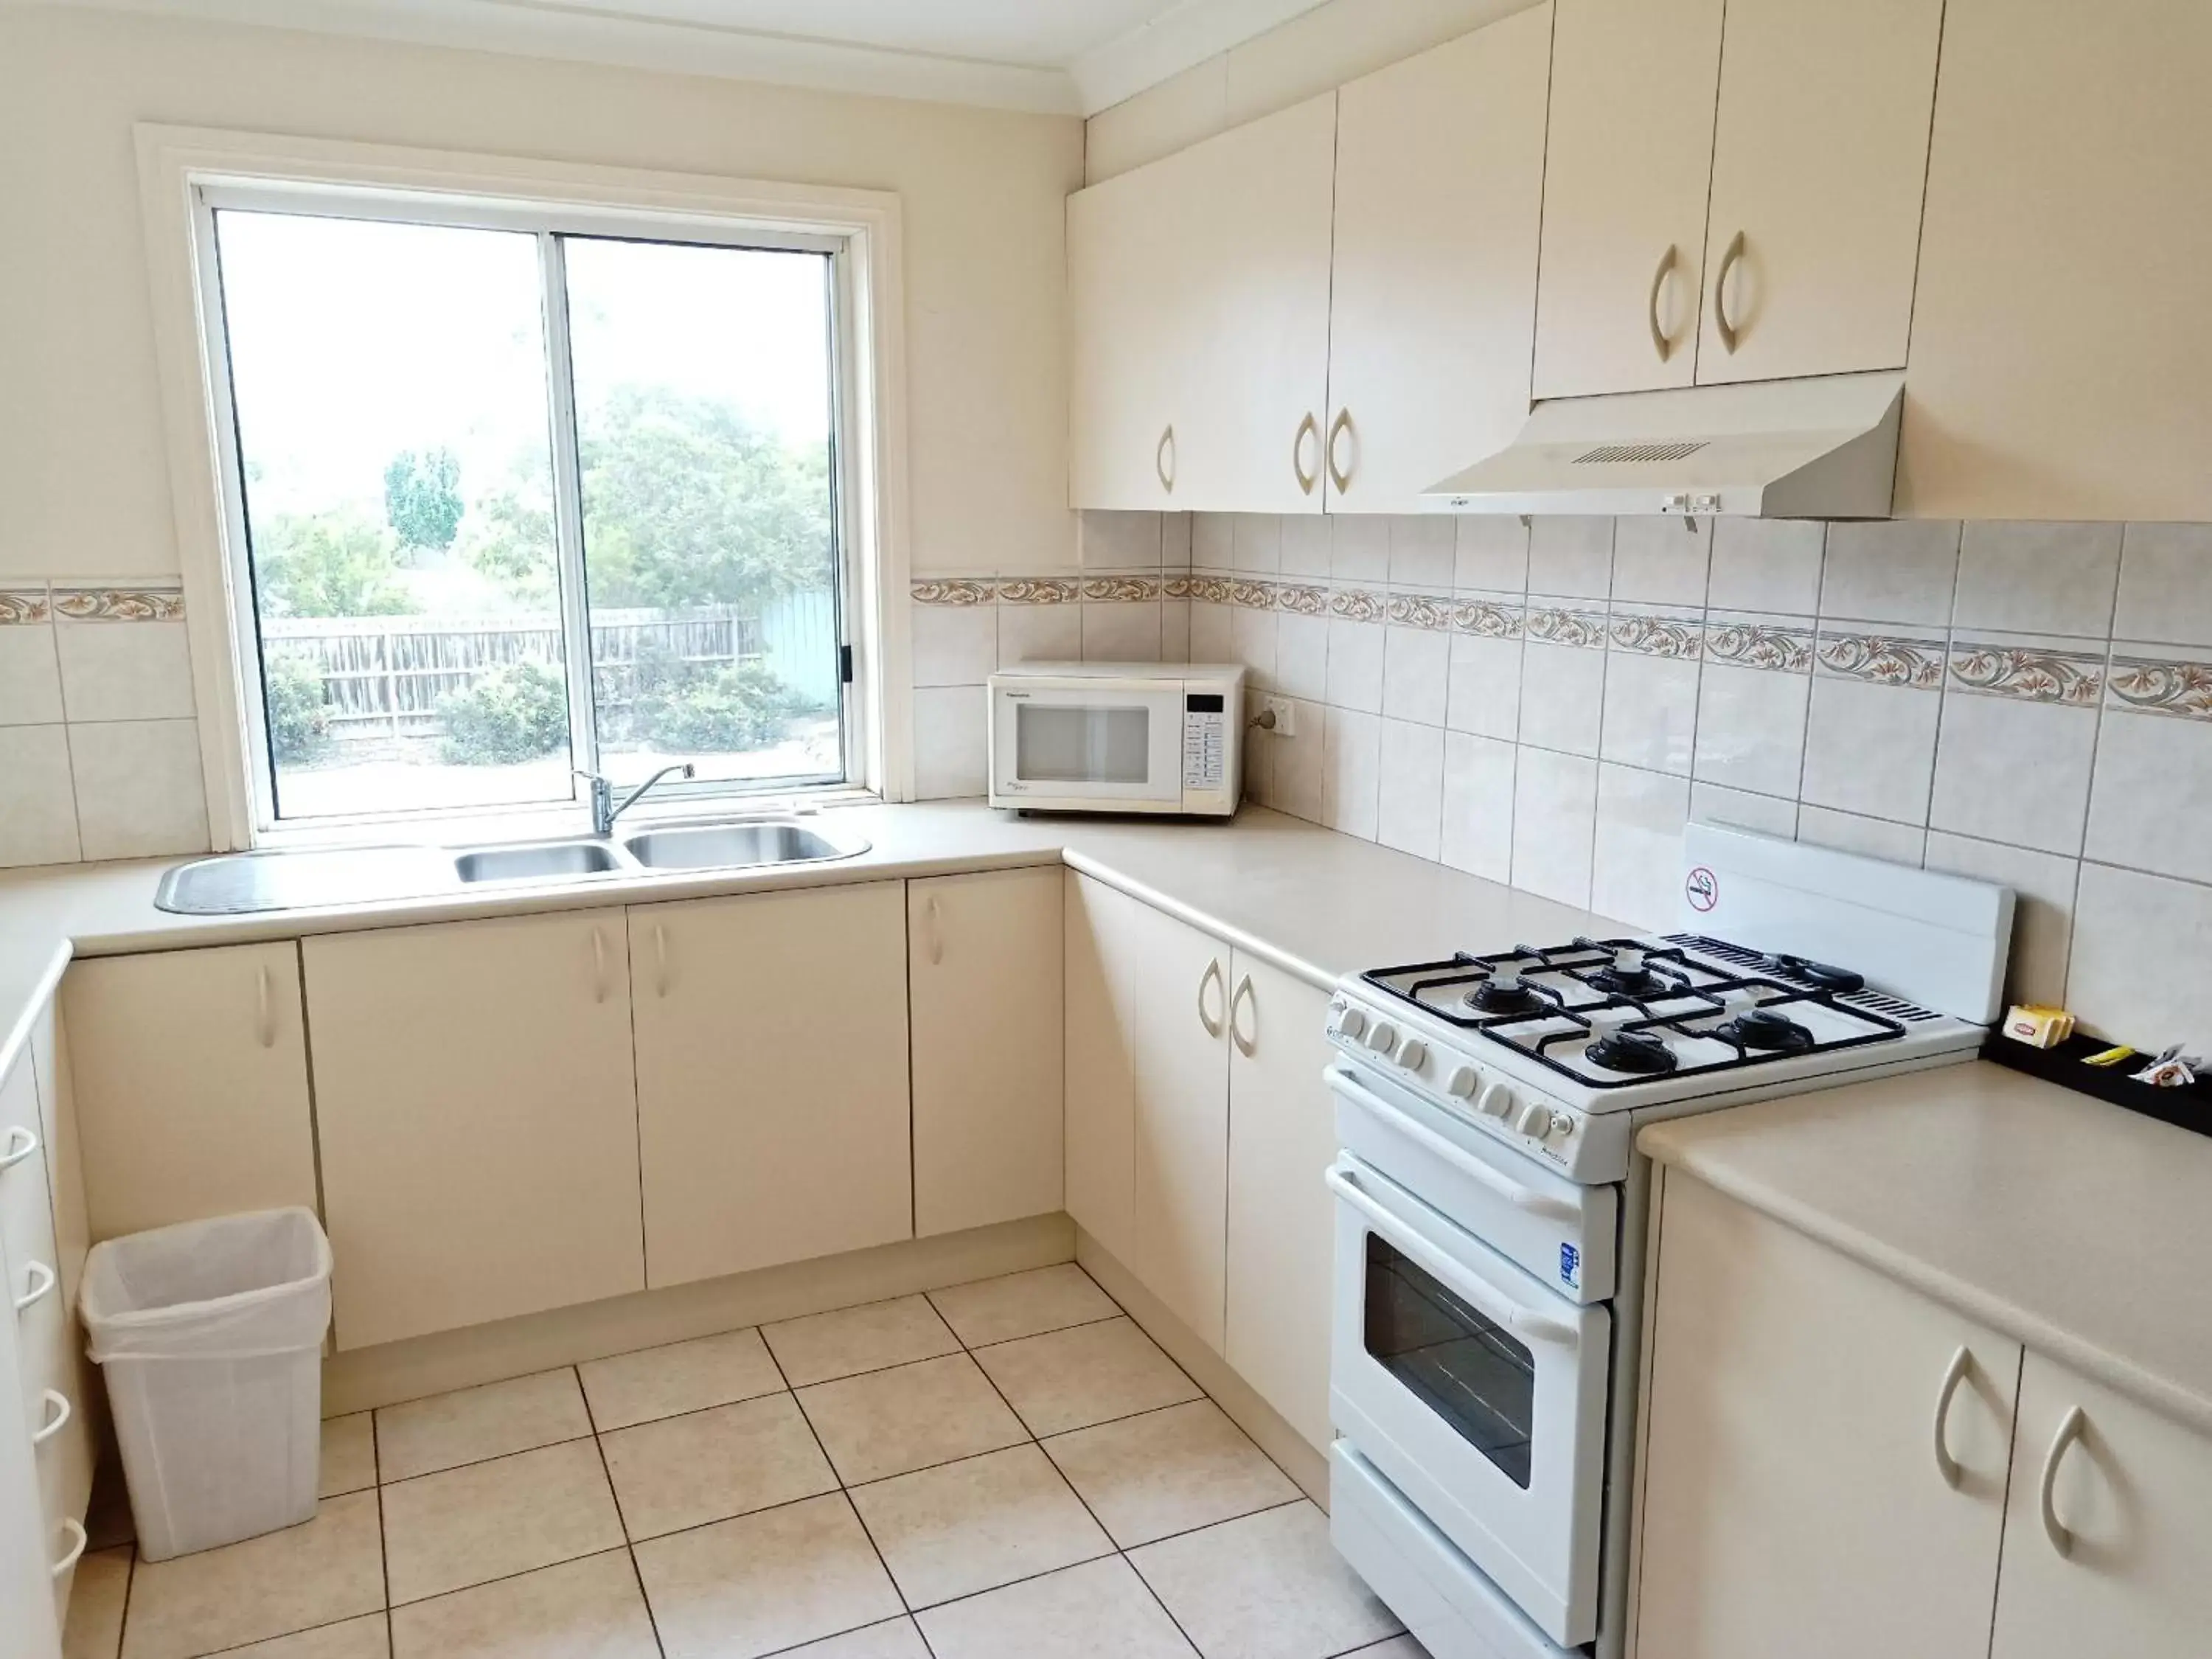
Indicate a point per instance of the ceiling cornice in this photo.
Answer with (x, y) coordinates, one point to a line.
(1172, 42)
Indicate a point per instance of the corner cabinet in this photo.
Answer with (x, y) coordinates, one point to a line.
(477, 1120)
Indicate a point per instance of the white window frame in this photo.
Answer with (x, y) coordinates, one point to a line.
(185, 173)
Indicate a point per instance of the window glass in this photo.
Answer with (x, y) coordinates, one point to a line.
(1465, 1366)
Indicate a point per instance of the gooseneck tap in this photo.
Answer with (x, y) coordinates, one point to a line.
(605, 809)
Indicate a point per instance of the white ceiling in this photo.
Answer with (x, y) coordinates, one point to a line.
(1071, 57)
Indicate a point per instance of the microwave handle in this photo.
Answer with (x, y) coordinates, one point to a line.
(1344, 1184)
(1521, 1198)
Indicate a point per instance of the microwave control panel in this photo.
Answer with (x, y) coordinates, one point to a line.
(1204, 742)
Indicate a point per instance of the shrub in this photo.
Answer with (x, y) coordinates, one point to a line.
(517, 712)
(299, 717)
(736, 707)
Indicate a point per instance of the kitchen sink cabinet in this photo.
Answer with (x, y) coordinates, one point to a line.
(1282, 1221)
(190, 1079)
(1099, 924)
(478, 1119)
(984, 957)
(774, 1122)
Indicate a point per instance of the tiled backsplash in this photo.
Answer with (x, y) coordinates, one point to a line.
(100, 755)
(2031, 703)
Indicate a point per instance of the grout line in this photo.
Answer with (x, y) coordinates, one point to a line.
(497, 1457)
(622, 1516)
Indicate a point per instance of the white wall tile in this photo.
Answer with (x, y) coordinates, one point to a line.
(949, 758)
(1410, 793)
(1213, 632)
(30, 675)
(2150, 805)
(1252, 642)
(1651, 711)
(1307, 541)
(2166, 584)
(1301, 655)
(1040, 633)
(1175, 540)
(1355, 665)
(1258, 539)
(1212, 541)
(1491, 554)
(1870, 749)
(1416, 674)
(2038, 578)
(1260, 752)
(1297, 764)
(952, 644)
(38, 798)
(1359, 549)
(1751, 728)
(1477, 805)
(2141, 969)
(1554, 824)
(1351, 763)
(1636, 872)
(1483, 695)
(1562, 696)
(1423, 550)
(125, 670)
(1766, 564)
(2014, 770)
(1660, 561)
(1122, 632)
(1709, 802)
(140, 792)
(1121, 541)
(1570, 558)
(1175, 632)
(2043, 913)
(1891, 570)
(1854, 832)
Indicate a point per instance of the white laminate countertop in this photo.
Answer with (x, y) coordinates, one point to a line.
(2081, 1229)
(1316, 903)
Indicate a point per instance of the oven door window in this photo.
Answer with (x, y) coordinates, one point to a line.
(1062, 743)
(1463, 1365)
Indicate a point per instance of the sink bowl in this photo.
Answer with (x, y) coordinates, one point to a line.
(728, 846)
(539, 861)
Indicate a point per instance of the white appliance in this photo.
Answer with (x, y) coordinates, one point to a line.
(1491, 1205)
(1117, 737)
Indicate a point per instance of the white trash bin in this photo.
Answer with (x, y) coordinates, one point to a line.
(210, 1334)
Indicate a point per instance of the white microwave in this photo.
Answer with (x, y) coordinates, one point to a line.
(1117, 737)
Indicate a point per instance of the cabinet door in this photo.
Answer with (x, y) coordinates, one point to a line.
(1282, 1134)
(1819, 158)
(30, 1623)
(190, 1075)
(1439, 193)
(1792, 1501)
(1178, 990)
(2134, 1491)
(1101, 1086)
(1127, 248)
(773, 1113)
(984, 981)
(478, 1124)
(2061, 341)
(1256, 314)
(1625, 171)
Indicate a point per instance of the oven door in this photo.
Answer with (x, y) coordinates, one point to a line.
(1076, 743)
(1476, 1392)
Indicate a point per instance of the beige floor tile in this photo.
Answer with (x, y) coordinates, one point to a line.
(684, 1376)
(765, 1582)
(1266, 1587)
(978, 1523)
(348, 1454)
(471, 1424)
(356, 1638)
(1101, 1610)
(326, 1570)
(1398, 1647)
(586, 1609)
(462, 1526)
(1023, 1304)
(1168, 1471)
(1071, 1379)
(897, 1639)
(94, 1630)
(888, 1422)
(708, 1466)
(854, 1340)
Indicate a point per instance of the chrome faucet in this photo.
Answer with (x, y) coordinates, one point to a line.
(604, 808)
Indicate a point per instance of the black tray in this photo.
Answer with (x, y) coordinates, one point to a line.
(2190, 1107)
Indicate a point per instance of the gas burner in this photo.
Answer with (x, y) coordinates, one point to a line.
(1834, 980)
(1764, 1029)
(1627, 976)
(1635, 1052)
(1504, 992)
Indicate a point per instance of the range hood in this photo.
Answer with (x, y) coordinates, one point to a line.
(1822, 448)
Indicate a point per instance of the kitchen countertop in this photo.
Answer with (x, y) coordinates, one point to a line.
(1315, 903)
(2081, 1229)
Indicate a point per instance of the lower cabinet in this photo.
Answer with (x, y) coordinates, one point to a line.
(477, 1121)
(1099, 924)
(773, 1116)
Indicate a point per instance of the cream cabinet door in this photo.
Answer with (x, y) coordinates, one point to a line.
(2130, 1500)
(1101, 1084)
(1820, 157)
(190, 1077)
(1432, 304)
(30, 1620)
(983, 967)
(1282, 1134)
(1793, 1495)
(2061, 340)
(1625, 172)
(774, 1120)
(1254, 313)
(478, 1123)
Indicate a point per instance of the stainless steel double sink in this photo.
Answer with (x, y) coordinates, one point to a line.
(241, 883)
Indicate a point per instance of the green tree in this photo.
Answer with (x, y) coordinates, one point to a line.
(327, 564)
(422, 497)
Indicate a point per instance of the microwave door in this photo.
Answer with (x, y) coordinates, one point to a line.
(1089, 746)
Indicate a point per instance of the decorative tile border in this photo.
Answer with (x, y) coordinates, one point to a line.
(22, 604)
(1487, 619)
(2152, 687)
(952, 591)
(2028, 672)
(119, 603)
(1430, 612)
(1883, 660)
(1358, 604)
(1027, 591)
(1555, 625)
(1301, 600)
(1124, 590)
(1761, 645)
(1657, 636)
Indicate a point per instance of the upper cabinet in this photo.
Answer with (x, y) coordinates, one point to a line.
(1439, 193)
(2061, 343)
(1625, 175)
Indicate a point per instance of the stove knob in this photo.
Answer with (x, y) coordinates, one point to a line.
(1412, 1052)
(1352, 1023)
(1383, 1037)
(1497, 1100)
(1536, 1121)
(1463, 1081)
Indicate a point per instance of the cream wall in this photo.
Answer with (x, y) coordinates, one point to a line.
(83, 480)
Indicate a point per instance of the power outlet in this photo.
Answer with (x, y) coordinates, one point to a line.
(1285, 712)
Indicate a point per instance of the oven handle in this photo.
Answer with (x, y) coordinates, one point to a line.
(1490, 1302)
(1524, 1199)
